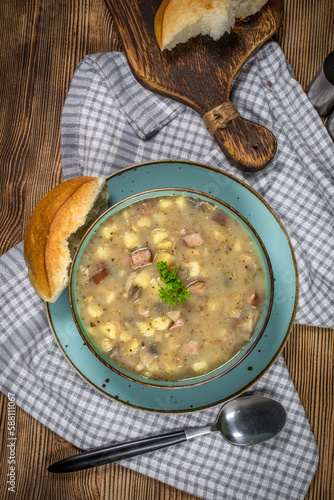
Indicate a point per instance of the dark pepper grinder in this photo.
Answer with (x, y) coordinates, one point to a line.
(321, 90)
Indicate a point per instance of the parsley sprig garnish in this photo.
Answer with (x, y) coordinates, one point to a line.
(175, 290)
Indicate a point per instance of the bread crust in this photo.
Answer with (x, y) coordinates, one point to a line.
(57, 216)
(158, 22)
(178, 20)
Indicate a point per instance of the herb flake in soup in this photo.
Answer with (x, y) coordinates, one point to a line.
(171, 287)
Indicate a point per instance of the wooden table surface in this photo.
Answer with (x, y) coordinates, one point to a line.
(41, 44)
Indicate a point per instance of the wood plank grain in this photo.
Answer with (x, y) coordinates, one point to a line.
(306, 36)
(44, 43)
(309, 357)
(41, 44)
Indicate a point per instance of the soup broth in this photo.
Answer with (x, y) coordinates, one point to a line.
(125, 304)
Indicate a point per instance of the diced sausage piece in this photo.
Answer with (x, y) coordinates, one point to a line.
(197, 287)
(193, 240)
(140, 258)
(130, 363)
(190, 347)
(100, 276)
(177, 324)
(220, 217)
(143, 209)
(253, 299)
(246, 324)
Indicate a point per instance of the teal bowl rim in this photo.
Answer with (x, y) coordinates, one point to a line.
(218, 372)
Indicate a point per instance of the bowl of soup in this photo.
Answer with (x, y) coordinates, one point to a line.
(171, 288)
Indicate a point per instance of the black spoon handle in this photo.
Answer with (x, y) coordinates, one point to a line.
(113, 453)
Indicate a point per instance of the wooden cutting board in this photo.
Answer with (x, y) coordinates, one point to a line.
(199, 72)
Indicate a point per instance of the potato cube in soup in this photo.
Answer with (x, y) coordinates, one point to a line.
(165, 202)
(200, 366)
(161, 323)
(153, 368)
(180, 201)
(159, 218)
(237, 246)
(108, 231)
(94, 311)
(164, 257)
(194, 269)
(171, 369)
(130, 240)
(109, 330)
(143, 278)
(153, 288)
(144, 221)
(159, 235)
(145, 328)
(89, 299)
(103, 252)
(164, 245)
(109, 296)
(125, 336)
(133, 346)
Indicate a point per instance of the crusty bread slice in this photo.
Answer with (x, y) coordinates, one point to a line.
(55, 229)
(178, 20)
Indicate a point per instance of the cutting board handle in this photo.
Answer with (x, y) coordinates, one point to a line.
(247, 145)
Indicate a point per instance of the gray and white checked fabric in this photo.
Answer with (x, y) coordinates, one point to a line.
(109, 122)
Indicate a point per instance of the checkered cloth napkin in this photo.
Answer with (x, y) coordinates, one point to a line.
(109, 122)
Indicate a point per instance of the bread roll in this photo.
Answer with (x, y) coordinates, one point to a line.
(178, 20)
(55, 228)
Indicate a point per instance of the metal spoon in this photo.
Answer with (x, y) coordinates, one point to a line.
(244, 421)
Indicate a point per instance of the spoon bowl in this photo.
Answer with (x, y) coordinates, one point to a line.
(250, 420)
(245, 421)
